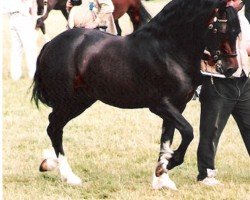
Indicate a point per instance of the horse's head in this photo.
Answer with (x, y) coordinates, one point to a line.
(221, 39)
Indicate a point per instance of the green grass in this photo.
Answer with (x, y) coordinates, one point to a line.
(113, 151)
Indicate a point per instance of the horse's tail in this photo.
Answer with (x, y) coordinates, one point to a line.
(145, 16)
(38, 93)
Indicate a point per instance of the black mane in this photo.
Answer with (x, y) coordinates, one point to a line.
(179, 15)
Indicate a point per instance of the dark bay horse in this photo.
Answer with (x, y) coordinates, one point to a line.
(134, 8)
(155, 67)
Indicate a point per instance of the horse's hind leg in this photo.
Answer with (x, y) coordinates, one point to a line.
(58, 118)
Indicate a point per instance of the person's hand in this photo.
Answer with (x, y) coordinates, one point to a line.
(68, 5)
(91, 25)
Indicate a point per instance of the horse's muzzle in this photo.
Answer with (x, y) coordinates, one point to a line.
(228, 72)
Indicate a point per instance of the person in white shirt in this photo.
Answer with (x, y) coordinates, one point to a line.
(23, 36)
(221, 97)
(92, 14)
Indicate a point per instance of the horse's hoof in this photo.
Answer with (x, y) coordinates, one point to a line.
(163, 181)
(161, 168)
(43, 166)
(48, 165)
(72, 180)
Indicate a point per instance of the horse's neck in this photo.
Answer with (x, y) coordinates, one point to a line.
(186, 40)
(185, 43)
(183, 30)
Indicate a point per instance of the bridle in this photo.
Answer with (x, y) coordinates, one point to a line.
(215, 31)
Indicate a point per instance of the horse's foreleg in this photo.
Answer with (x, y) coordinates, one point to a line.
(160, 177)
(165, 150)
(171, 114)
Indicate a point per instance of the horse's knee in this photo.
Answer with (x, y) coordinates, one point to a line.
(188, 134)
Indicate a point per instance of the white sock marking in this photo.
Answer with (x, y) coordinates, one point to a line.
(163, 181)
(66, 172)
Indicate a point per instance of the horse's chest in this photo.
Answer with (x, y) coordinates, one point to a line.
(180, 89)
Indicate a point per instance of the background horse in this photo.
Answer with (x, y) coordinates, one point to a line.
(134, 8)
(155, 67)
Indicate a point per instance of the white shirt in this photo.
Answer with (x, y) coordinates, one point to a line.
(242, 42)
(24, 7)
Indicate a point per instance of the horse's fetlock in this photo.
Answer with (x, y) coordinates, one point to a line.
(176, 160)
(165, 155)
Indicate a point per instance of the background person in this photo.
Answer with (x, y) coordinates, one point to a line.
(92, 14)
(23, 35)
(221, 97)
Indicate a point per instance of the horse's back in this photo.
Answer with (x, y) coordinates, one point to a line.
(67, 42)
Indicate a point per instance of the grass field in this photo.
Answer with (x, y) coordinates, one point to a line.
(114, 151)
